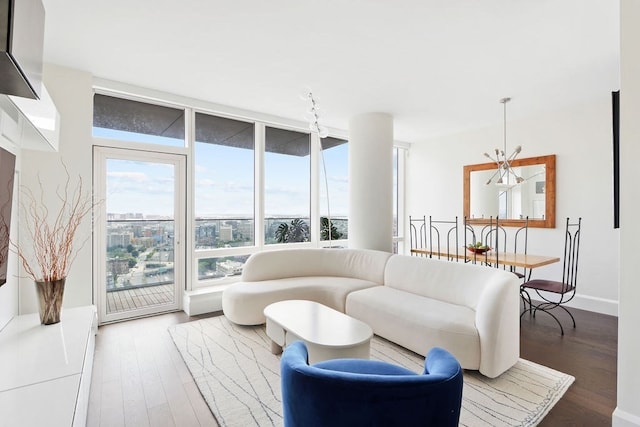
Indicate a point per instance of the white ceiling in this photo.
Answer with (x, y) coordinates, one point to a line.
(437, 66)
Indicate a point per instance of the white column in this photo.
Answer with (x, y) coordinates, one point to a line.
(371, 181)
(627, 412)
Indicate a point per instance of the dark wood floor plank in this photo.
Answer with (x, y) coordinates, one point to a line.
(588, 352)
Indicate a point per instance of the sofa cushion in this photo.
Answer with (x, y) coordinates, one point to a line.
(358, 264)
(418, 323)
(244, 302)
(453, 282)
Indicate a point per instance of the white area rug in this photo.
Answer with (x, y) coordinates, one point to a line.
(240, 378)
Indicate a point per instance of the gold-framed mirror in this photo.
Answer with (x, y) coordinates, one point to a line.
(534, 198)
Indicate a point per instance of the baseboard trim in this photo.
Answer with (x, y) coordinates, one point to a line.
(584, 302)
(598, 305)
(207, 300)
(622, 418)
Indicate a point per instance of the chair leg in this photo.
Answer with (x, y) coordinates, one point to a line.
(570, 315)
(557, 321)
(526, 299)
(548, 306)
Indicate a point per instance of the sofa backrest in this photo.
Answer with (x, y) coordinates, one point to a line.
(355, 263)
(453, 282)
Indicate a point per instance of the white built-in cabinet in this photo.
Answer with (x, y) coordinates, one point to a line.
(30, 123)
(45, 370)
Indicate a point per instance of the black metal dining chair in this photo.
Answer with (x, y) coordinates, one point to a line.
(469, 237)
(495, 236)
(520, 241)
(418, 232)
(443, 239)
(492, 235)
(553, 293)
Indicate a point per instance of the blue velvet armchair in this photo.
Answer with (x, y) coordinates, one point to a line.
(358, 392)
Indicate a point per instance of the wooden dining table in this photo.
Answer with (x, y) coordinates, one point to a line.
(504, 258)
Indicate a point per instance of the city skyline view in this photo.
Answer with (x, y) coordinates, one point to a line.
(140, 199)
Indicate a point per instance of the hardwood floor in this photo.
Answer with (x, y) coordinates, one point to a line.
(588, 352)
(139, 378)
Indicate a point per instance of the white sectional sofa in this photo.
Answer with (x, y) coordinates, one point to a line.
(418, 303)
(326, 276)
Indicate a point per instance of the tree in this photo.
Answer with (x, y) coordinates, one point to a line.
(282, 233)
(296, 231)
(324, 230)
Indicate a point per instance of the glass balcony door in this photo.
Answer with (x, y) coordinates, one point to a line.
(139, 232)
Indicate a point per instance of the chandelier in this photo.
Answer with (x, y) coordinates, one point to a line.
(504, 170)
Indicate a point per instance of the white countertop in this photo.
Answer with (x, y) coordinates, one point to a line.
(32, 353)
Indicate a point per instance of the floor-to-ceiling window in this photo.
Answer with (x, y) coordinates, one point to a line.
(139, 177)
(223, 195)
(399, 160)
(250, 185)
(287, 186)
(334, 191)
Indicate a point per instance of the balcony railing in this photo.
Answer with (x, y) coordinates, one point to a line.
(140, 254)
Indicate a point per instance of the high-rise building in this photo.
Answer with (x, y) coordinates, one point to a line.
(245, 230)
(230, 268)
(226, 233)
(205, 234)
(118, 239)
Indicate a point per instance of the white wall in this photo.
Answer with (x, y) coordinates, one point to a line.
(627, 412)
(581, 139)
(72, 92)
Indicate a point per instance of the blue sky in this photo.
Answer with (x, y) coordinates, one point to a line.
(223, 181)
(139, 187)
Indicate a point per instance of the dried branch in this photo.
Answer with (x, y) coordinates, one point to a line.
(53, 251)
(5, 213)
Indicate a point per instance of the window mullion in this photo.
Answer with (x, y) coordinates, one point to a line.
(189, 237)
(259, 223)
(402, 154)
(315, 189)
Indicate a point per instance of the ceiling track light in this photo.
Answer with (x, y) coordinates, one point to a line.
(313, 116)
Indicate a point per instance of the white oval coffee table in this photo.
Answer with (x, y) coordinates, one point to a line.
(328, 333)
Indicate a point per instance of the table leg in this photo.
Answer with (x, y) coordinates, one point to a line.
(275, 347)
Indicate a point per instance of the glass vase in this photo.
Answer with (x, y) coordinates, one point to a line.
(50, 295)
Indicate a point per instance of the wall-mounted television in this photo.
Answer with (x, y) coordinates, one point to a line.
(7, 172)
